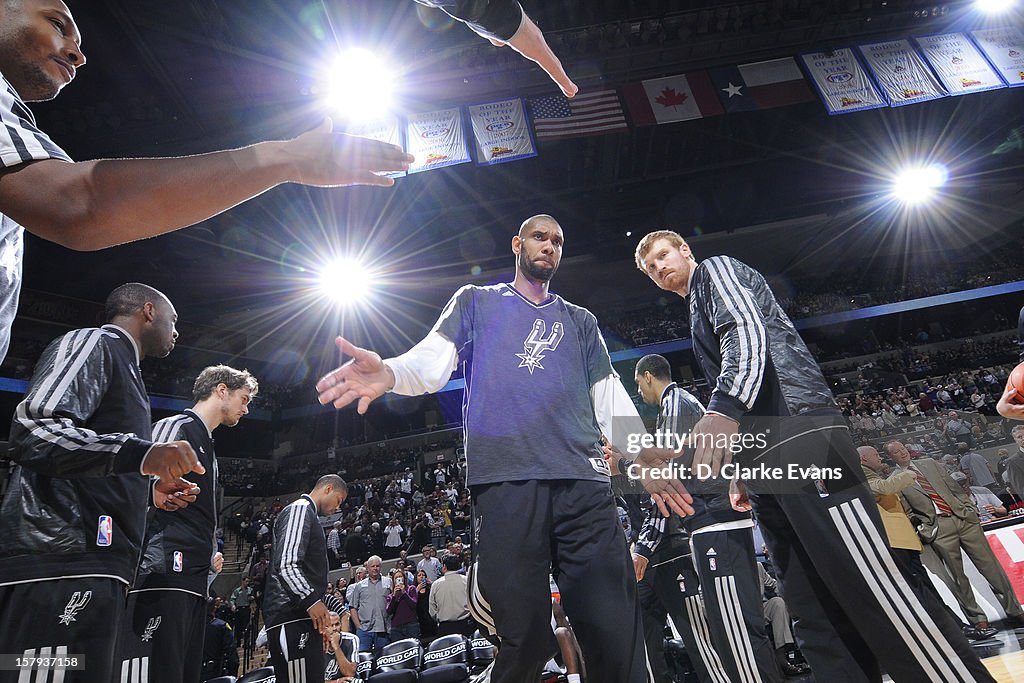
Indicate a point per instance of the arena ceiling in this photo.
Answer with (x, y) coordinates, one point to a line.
(167, 78)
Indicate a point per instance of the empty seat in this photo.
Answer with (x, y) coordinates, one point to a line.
(399, 662)
(364, 664)
(446, 660)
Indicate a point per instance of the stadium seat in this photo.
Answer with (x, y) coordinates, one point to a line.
(481, 652)
(222, 679)
(399, 662)
(264, 674)
(349, 645)
(364, 664)
(446, 660)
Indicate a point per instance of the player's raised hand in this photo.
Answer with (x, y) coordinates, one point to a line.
(362, 379)
(171, 461)
(530, 43)
(323, 158)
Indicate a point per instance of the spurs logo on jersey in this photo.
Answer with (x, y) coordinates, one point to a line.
(75, 605)
(152, 625)
(536, 344)
(302, 641)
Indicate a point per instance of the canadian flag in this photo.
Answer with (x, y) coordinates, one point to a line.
(673, 98)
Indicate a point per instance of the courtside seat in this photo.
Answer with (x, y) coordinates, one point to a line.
(481, 653)
(446, 660)
(399, 662)
(364, 664)
(349, 645)
(264, 674)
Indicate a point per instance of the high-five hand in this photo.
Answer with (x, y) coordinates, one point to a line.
(363, 378)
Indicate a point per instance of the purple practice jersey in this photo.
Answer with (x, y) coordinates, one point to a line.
(529, 368)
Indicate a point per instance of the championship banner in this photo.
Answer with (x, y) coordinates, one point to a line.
(437, 139)
(388, 129)
(501, 132)
(901, 73)
(1004, 48)
(842, 83)
(959, 65)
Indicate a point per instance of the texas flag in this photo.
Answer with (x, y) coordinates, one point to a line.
(761, 85)
(674, 98)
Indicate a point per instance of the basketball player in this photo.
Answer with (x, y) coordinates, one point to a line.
(722, 543)
(296, 617)
(857, 612)
(166, 618)
(73, 518)
(540, 392)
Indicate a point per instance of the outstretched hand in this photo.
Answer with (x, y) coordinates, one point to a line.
(362, 379)
(323, 158)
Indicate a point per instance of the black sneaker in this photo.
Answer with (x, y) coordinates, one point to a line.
(974, 633)
(795, 669)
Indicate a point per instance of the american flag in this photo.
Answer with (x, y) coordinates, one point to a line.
(595, 113)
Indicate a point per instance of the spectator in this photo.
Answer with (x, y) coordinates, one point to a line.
(429, 564)
(957, 429)
(428, 629)
(978, 468)
(334, 545)
(986, 504)
(357, 575)
(356, 550)
(449, 600)
(401, 608)
(1015, 463)
(242, 602)
(393, 539)
(369, 608)
(220, 656)
(777, 614)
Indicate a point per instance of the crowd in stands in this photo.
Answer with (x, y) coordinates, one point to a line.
(831, 293)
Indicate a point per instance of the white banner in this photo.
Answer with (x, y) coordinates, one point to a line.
(1004, 48)
(501, 132)
(436, 139)
(959, 64)
(901, 73)
(388, 129)
(842, 83)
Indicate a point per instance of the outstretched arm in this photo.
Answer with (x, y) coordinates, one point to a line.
(96, 204)
(504, 22)
(423, 369)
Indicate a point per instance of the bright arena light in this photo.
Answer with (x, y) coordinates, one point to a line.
(994, 6)
(359, 85)
(918, 184)
(346, 281)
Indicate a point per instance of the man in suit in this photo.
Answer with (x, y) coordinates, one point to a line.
(912, 552)
(938, 501)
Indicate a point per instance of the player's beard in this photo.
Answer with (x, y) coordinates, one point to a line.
(535, 271)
